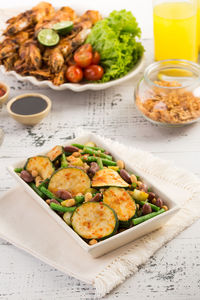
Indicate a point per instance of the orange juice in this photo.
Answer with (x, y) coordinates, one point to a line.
(198, 23)
(175, 31)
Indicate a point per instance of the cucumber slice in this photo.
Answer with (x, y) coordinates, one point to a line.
(54, 153)
(94, 220)
(122, 203)
(108, 177)
(41, 164)
(71, 179)
(63, 27)
(48, 37)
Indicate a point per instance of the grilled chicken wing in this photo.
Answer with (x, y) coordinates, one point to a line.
(44, 74)
(59, 77)
(8, 47)
(30, 17)
(64, 14)
(30, 57)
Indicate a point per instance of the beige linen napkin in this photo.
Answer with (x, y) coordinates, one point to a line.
(34, 231)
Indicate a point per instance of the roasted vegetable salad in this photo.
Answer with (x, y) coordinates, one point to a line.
(91, 191)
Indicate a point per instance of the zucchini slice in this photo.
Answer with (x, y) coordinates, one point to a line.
(54, 153)
(41, 164)
(122, 203)
(67, 217)
(94, 220)
(71, 179)
(108, 177)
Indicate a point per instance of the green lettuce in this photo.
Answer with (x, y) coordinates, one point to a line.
(115, 38)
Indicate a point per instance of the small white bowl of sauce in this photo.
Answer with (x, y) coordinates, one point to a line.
(29, 109)
(4, 92)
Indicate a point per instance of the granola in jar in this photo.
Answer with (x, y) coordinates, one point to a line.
(167, 102)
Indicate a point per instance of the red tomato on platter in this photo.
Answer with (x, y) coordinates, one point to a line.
(93, 72)
(74, 74)
(95, 58)
(83, 58)
(85, 48)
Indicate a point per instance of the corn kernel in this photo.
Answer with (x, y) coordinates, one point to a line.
(115, 168)
(68, 202)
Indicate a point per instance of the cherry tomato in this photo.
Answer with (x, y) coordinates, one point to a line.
(74, 74)
(95, 58)
(93, 72)
(83, 59)
(85, 48)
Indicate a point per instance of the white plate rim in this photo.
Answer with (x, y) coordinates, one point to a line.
(76, 87)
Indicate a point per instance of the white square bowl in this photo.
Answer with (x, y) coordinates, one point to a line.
(119, 239)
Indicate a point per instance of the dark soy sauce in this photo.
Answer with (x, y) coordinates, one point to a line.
(29, 105)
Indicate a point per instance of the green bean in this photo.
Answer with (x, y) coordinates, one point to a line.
(44, 183)
(105, 162)
(34, 187)
(18, 170)
(94, 152)
(154, 207)
(141, 219)
(82, 146)
(100, 163)
(49, 194)
(61, 208)
(134, 184)
(79, 199)
(64, 162)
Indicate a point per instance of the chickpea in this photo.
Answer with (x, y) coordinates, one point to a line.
(133, 178)
(165, 207)
(121, 164)
(88, 197)
(93, 242)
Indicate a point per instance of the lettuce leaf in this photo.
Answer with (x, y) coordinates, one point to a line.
(115, 38)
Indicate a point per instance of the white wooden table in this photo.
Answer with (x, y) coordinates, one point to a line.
(174, 272)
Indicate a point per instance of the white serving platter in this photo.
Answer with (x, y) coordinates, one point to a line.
(76, 87)
(119, 239)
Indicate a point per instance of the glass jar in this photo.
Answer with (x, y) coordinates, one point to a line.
(169, 93)
(175, 29)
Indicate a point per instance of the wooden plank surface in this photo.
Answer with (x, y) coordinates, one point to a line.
(174, 272)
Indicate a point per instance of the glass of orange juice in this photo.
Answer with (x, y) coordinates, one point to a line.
(175, 29)
(198, 23)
